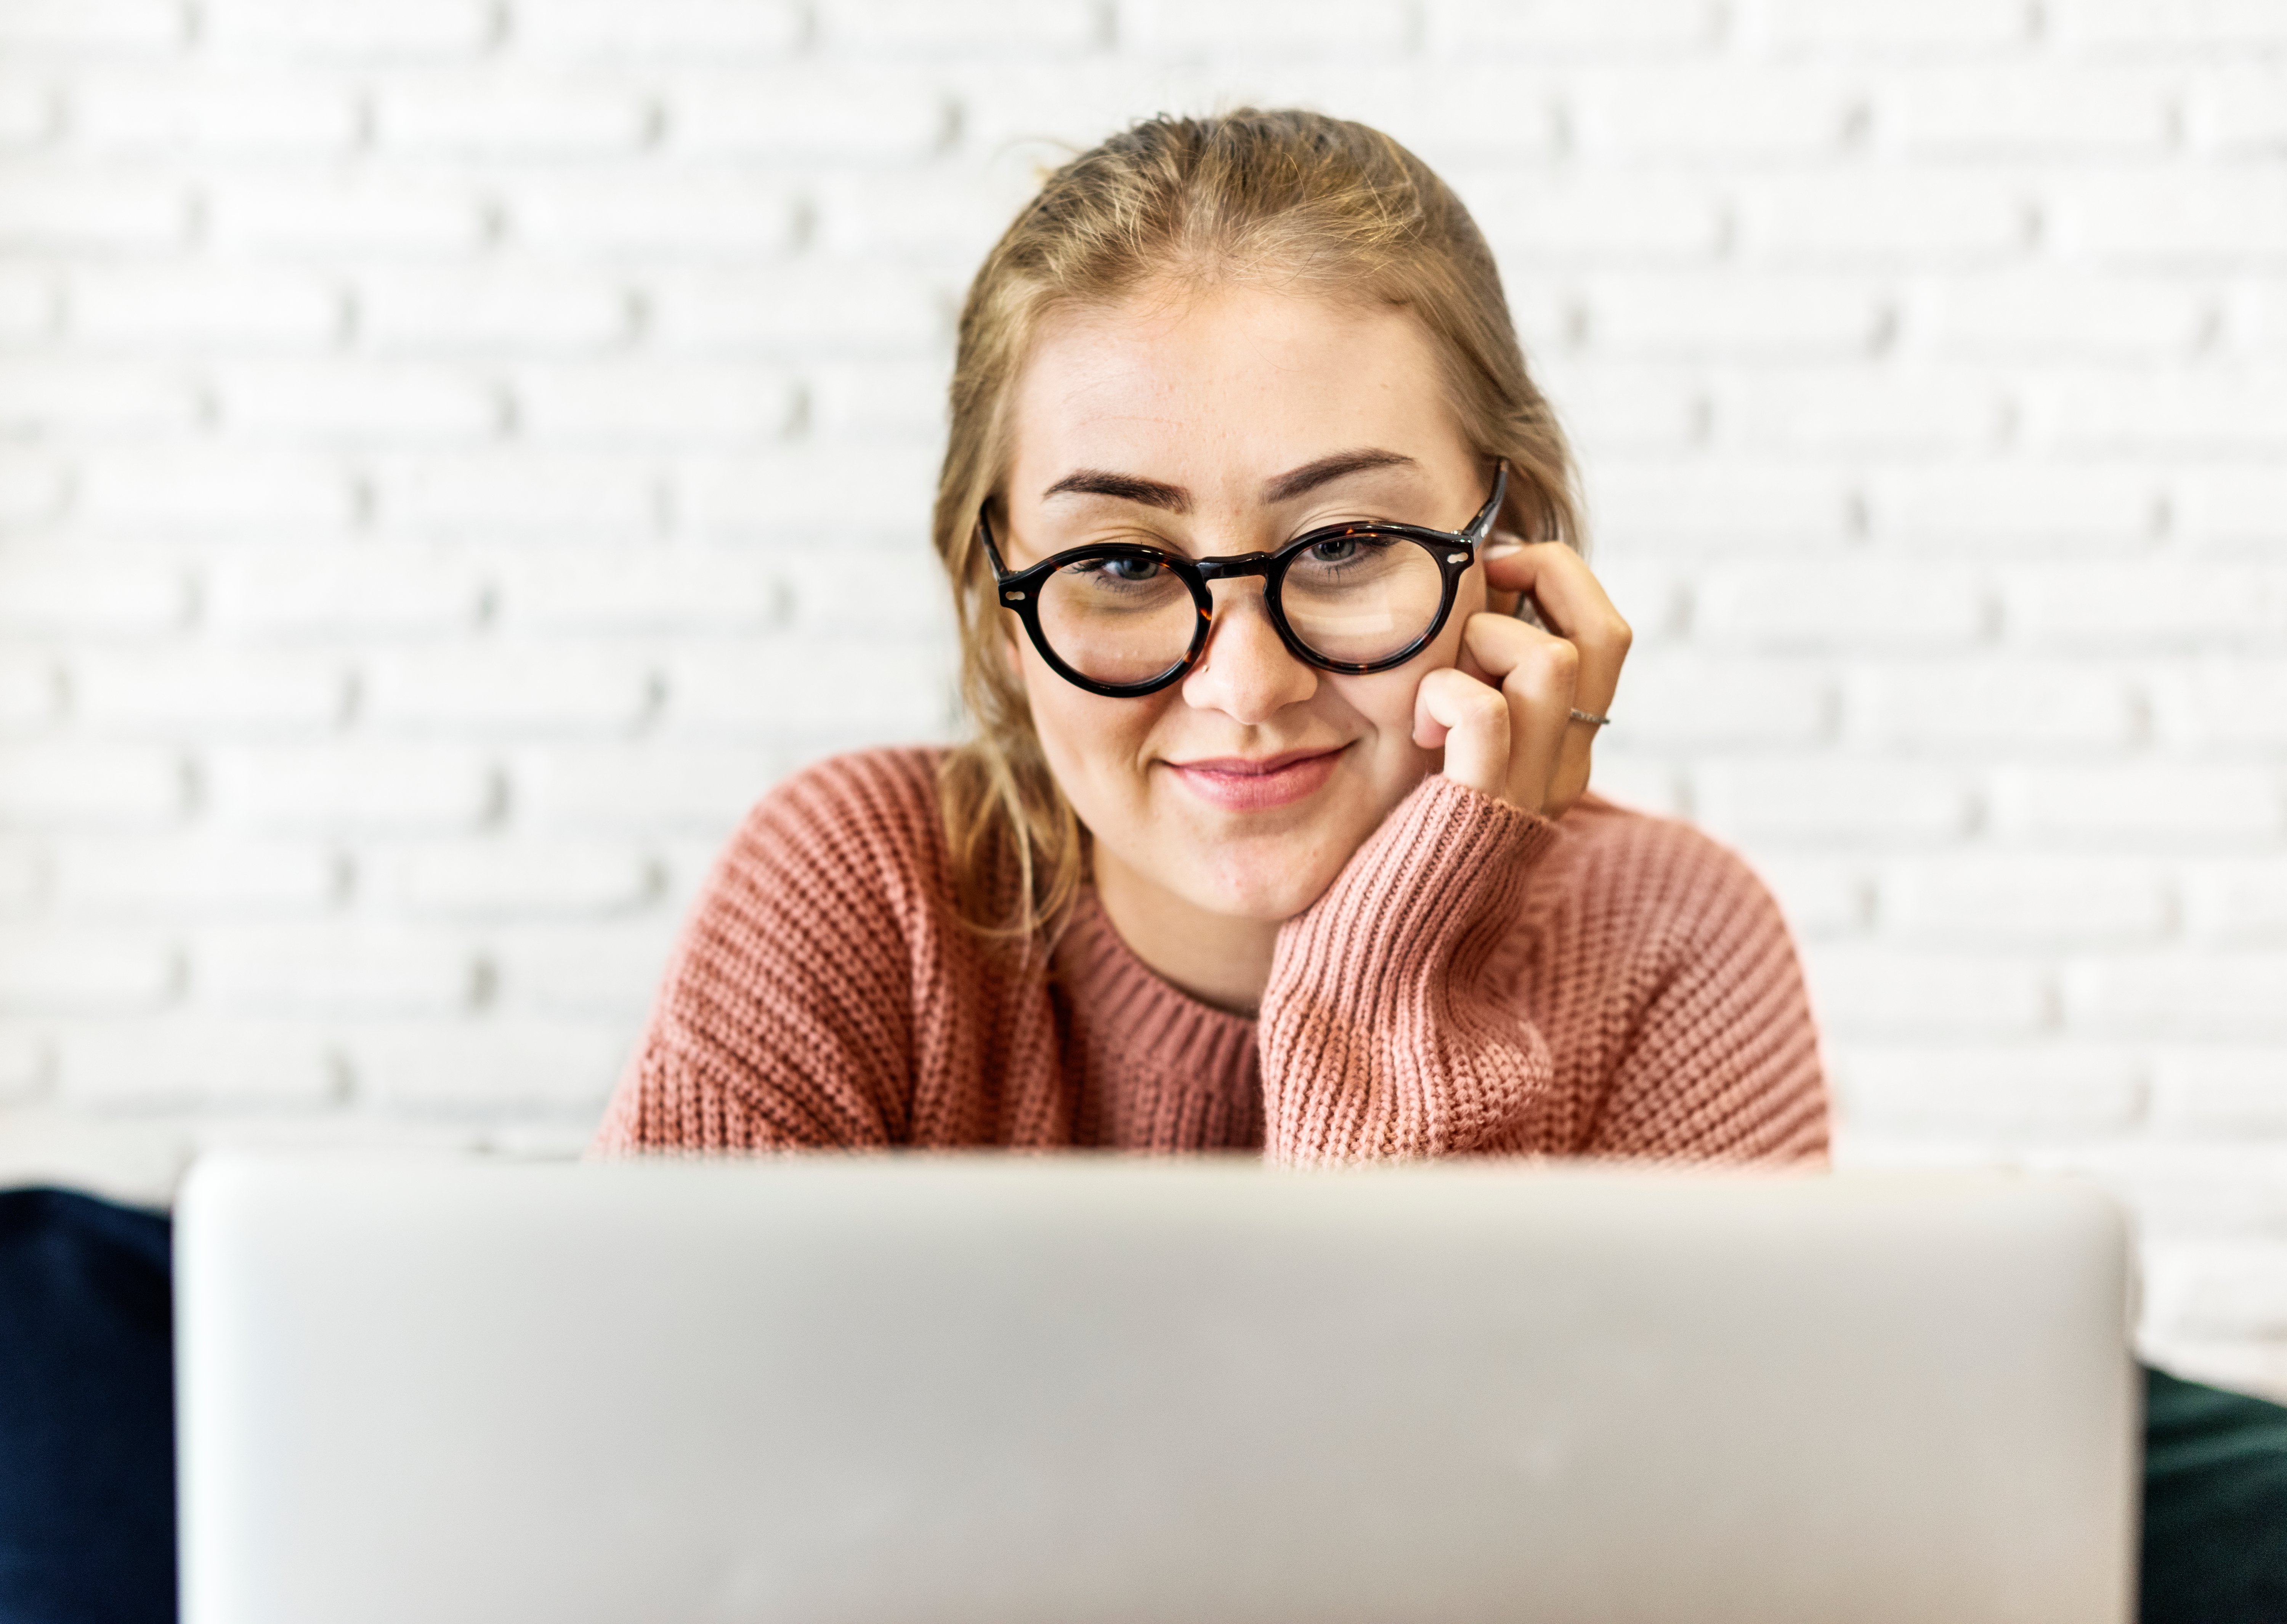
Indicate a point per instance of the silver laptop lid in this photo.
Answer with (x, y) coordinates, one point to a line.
(1016, 1389)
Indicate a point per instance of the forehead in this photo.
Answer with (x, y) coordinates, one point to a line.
(1261, 373)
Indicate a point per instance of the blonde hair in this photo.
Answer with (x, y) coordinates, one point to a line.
(1328, 208)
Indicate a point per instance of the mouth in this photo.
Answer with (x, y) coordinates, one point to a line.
(1240, 783)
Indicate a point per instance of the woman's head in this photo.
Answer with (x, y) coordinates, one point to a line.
(1208, 336)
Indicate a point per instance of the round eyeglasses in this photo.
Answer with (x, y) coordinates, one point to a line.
(1125, 621)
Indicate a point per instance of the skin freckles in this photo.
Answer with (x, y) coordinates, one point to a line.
(1227, 803)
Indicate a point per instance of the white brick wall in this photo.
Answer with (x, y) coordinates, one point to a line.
(455, 454)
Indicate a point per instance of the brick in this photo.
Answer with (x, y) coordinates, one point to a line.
(349, 787)
(678, 786)
(1824, 800)
(333, 970)
(415, 27)
(2259, 318)
(30, 692)
(679, 210)
(882, 692)
(517, 495)
(1711, 108)
(583, 970)
(2070, 108)
(1892, 216)
(80, 784)
(1649, 592)
(898, 398)
(79, 27)
(2116, 607)
(31, 491)
(232, 487)
(2229, 1090)
(51, 207)
(194, 1061)
(2221, 702)
(2173, 25)
(23, 882)
(28, 113)
(2236, 1289)
(1868, 26)
(2006, 705)
(489, 1065)
(2233, 507)
(2012, 1092)
(81, 592)
(1866, 991)
(1538, 219)
(146, 306)
(111, 398)
(624, 402)
(519, 878)
(700, 30)
(2024, 898)
(2202, 997)
(525, 688)
(2153, 797)
(678, 590)
(2060, 312)
(355, 401)
(329, 592)
(862, 590)
(460, 308)
(1694, 699)
(2172, 214)
(1332, 26)
(1704, 314)
(933, 30)
(1730, 503)
(796, 493)
(1852, 410)
(27, 304)
(390, 212)
(214, 110)
(167, 877)
(945, 215)
(514, 115)
(2073, 509)
(1646, 783)
(806, 307)
(1822, 897)
(206, 691)
(1626, 408)
(2243, 901)
(861, 113)
(2239, 107)
(1855, 604)
(2208, 414)
(1475, 29)
(24, 1071)
(50, 970)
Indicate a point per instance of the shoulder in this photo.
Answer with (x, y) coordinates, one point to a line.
(864, 826)
(1660, 875)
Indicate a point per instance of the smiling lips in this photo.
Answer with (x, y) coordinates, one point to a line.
(1233, 783)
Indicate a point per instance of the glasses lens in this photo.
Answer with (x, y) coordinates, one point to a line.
(1359, 598)
(1118, 620)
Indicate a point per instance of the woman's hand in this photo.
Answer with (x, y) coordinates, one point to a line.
(1504, 713)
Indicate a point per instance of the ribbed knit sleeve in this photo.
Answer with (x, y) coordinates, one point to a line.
(1384, 1033)
(785, 1020)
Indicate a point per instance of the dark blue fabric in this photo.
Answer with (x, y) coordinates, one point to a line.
(87, 1412)
(87, 1452)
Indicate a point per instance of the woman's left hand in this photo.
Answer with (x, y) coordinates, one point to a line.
(1504, 712)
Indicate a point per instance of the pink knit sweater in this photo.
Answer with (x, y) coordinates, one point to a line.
(1476, 979)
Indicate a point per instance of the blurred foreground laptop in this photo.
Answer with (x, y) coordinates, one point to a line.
(1019, 1389)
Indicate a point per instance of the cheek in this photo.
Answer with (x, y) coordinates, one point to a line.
(1092, 743)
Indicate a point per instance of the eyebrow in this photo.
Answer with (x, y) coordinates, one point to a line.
(1174, 499)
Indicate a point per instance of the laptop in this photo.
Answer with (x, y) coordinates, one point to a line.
(1016, 1388)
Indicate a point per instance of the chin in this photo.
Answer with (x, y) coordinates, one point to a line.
(1259, 883)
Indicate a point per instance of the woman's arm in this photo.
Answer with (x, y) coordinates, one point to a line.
(1382, 1035)
(785, 1021)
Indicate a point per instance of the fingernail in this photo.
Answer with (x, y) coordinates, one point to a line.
(1502, 549)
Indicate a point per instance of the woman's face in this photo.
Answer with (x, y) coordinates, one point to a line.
(1227, 422)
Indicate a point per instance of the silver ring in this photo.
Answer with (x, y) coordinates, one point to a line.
(1592, 721)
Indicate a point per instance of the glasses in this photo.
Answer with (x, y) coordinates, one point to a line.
(1125, 621)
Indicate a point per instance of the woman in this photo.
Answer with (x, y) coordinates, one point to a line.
(1274, 832)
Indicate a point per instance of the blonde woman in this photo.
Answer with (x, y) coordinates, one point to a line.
(1273, 835)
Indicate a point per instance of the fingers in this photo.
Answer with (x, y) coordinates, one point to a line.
(1471, 721)
(1536, 677)
(1576, 607)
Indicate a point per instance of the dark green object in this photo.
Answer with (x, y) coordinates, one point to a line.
(2215, 1506)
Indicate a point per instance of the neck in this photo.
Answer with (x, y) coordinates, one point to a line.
(1218, 958)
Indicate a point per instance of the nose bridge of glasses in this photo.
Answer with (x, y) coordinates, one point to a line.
(1236, 566)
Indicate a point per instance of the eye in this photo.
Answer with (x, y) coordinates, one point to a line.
(1131, 570)
(1340, 550)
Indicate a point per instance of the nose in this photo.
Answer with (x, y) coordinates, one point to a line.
(1245, 671)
